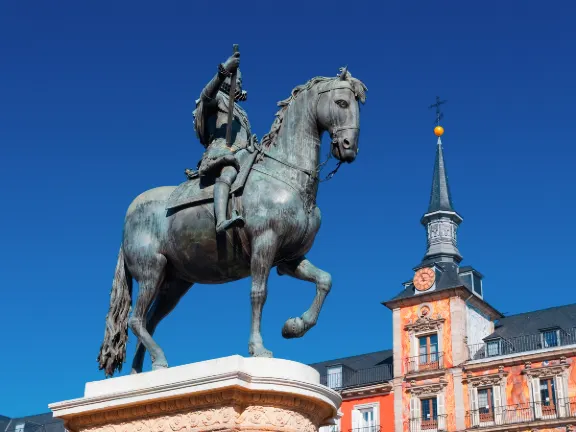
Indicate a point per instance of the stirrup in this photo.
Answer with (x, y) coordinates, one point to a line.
(236, 219)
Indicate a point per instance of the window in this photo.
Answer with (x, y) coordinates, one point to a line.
(486, 404)
(493, 348)
(365, 418)
(548, 396)
(334, 377)
(429, 410)
(19, 427)
(550, 338)
(428, 351)
(477, 285)
(467, 278)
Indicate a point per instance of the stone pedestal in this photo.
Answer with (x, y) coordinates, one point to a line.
(227, 394)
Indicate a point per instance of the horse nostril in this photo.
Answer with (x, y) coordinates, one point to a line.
(346, 143)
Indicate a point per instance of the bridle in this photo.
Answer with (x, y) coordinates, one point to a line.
(334, 130)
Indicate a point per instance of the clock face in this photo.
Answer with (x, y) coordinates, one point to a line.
(424, 278)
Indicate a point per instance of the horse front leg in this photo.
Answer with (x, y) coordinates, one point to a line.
(264, 248)
(303, 269)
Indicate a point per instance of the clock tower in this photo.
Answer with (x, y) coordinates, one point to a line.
(436, 316)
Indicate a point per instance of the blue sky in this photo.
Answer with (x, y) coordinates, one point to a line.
(95, 107)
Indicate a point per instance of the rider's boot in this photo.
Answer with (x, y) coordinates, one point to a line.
(221, 192)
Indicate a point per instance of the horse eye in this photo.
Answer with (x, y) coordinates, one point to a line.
(342, 103)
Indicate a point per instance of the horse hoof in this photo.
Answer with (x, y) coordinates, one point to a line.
(294, 328)
(263, 353)
(259, 351)
(159, 366)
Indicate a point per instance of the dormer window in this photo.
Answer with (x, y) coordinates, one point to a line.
(473, 280)
(494, 347)
(334, 377)
(550, 337)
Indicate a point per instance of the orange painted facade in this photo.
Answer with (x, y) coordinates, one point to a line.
(386, 411)
(454, 368)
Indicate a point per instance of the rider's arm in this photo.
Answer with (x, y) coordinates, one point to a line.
(211, 89)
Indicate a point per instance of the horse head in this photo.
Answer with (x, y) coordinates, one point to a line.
(338, 112)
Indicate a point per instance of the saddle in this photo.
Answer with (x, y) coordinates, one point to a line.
(197, 189)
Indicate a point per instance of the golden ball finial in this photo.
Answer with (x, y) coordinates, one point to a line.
(438, 131)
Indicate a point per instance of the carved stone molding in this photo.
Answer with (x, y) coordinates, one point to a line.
(545, 371)
(486, 380)
(425, 323)
(427, 389)
(225, 410)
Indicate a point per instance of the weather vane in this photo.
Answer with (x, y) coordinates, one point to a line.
(438, 130)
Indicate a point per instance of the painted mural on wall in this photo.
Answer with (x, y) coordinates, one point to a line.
(409, 315)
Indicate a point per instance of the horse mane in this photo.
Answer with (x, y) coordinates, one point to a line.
(358, 88)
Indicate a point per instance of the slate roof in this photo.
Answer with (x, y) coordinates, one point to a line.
(362, 361)
(440, 198)
(34, 423)
(531, 323)
(448, 279)
(360, 370)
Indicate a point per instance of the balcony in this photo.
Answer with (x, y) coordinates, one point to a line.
(522, 344)
(521, 413)
(347, 378)
(372, 428)
(425, 362)
(438, 423)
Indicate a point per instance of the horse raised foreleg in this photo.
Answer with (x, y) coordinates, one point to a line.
(170, 294)
(149, 281)
(303, 269)
(264, 248)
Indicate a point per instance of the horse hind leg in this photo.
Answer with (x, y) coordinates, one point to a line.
(149, 281)
(168, 297)
(303, 269)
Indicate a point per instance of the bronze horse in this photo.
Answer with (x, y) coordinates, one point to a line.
(167, 252)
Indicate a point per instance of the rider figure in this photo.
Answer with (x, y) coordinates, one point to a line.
(210, 123)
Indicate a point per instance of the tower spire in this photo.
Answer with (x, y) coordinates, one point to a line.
(441, 220)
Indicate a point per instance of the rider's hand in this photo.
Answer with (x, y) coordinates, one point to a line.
(233, 62)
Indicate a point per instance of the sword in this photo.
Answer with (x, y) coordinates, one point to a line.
(231, 99)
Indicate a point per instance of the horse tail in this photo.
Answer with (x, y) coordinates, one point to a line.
(113, 349)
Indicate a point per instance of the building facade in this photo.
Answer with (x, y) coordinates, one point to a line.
(458, 364)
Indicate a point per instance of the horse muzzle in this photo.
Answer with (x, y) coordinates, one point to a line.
(345, 144)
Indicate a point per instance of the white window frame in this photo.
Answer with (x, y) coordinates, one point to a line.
(415, 415)
(560, 388)
(357, 416)
(543, 339)
(415, 343)
(497, 405)
(336, 371)
(494, 341)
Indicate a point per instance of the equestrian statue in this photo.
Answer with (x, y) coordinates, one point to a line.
(249, 207)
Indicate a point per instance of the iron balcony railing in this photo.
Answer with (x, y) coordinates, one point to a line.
(428, 424)
(355, 378)
(372, 428)
(425, 362)
(520, 344)
(521, 413)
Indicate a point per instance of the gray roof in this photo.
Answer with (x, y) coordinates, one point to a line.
(530, 323)
(448, 279)
(440, 198)
(35, 423)
(362, 361)
(359, 370)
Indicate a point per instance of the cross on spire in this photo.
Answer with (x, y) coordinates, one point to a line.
(439, 114)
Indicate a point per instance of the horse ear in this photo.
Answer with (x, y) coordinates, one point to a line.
(343, 73)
